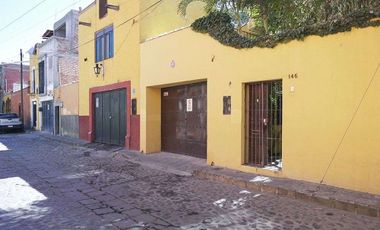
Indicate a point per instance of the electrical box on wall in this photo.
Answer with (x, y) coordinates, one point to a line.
(226, 105)
(134, 106)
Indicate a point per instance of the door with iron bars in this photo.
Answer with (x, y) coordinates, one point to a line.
(263, 128)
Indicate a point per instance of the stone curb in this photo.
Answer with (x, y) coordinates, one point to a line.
(63, 140)
(326, 201)
(160, 167)
(280, 191)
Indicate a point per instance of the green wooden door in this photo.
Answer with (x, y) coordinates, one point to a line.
(110, 117)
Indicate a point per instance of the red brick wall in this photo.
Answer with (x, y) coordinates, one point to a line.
(83, 127)
(12, 75)
(68, 70)
(16, 101)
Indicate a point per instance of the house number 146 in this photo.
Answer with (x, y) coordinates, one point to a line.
(293, 76)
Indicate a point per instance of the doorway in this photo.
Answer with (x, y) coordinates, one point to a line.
(56, 120)
(47, 116)
(263, 124)
(34, 114)
(110, 117)
(184, 119)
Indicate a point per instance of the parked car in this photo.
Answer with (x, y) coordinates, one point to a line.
(10, 122)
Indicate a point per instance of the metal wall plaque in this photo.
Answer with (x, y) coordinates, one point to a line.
(97, 102)
(226, 105)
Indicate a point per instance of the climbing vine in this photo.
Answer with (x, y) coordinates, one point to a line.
(219, 26)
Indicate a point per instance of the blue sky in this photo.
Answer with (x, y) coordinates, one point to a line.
(27, 31)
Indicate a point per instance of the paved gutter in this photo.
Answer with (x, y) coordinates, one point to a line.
(63, 139)
(329, 196)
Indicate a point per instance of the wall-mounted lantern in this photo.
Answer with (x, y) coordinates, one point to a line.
(98, 69)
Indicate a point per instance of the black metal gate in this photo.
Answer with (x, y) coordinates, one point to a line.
(184, 119)
(47, 116)
(34, 115)
(57, 120)
(264, 123)
(110, 117)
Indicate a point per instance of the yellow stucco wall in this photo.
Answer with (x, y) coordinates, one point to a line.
(6, 97)
(160, 17)
(124, 65)
(333, 75)
(135, 21)
(33, 59)
(68, 95)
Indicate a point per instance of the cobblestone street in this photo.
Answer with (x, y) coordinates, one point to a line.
(45, 184)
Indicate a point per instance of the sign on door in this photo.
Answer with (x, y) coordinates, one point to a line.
(189, 105)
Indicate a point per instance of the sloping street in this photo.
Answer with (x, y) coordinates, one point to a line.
(46, 184)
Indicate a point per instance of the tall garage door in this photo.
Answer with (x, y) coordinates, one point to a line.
(110, 117)
(184, 119)
(47, 116)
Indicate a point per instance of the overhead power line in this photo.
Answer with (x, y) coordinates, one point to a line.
(116, 27)
(350, 123)
(21, 16)
(33, 26)
(119, 25)
(148, 8)
(22, 32)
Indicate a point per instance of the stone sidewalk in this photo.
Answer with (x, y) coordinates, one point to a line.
(329, 196)
(47, 183)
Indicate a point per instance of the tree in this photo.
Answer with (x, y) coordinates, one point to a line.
(274, 16)
(239, 10)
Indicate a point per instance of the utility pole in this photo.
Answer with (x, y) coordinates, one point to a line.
(22, 91)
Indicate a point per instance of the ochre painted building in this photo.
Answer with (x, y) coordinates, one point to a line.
(54, 79)
(67, 97)
(10, 79)
(33, 89)
(12, 104)
(109, 41)
(330, 121)
(304, 110)
(16, 106)
(105, 42)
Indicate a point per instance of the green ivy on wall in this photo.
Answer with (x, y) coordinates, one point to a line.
(219, 26)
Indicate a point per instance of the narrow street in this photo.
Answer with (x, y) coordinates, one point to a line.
(47, 184)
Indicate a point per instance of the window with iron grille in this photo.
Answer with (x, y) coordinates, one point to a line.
(104, 44)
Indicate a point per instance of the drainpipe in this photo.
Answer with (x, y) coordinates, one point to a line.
(22, 91)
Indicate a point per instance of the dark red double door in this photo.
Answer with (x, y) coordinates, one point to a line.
(184, 119)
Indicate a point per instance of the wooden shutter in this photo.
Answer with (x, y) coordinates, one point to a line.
(41, 71)
(102, 8)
